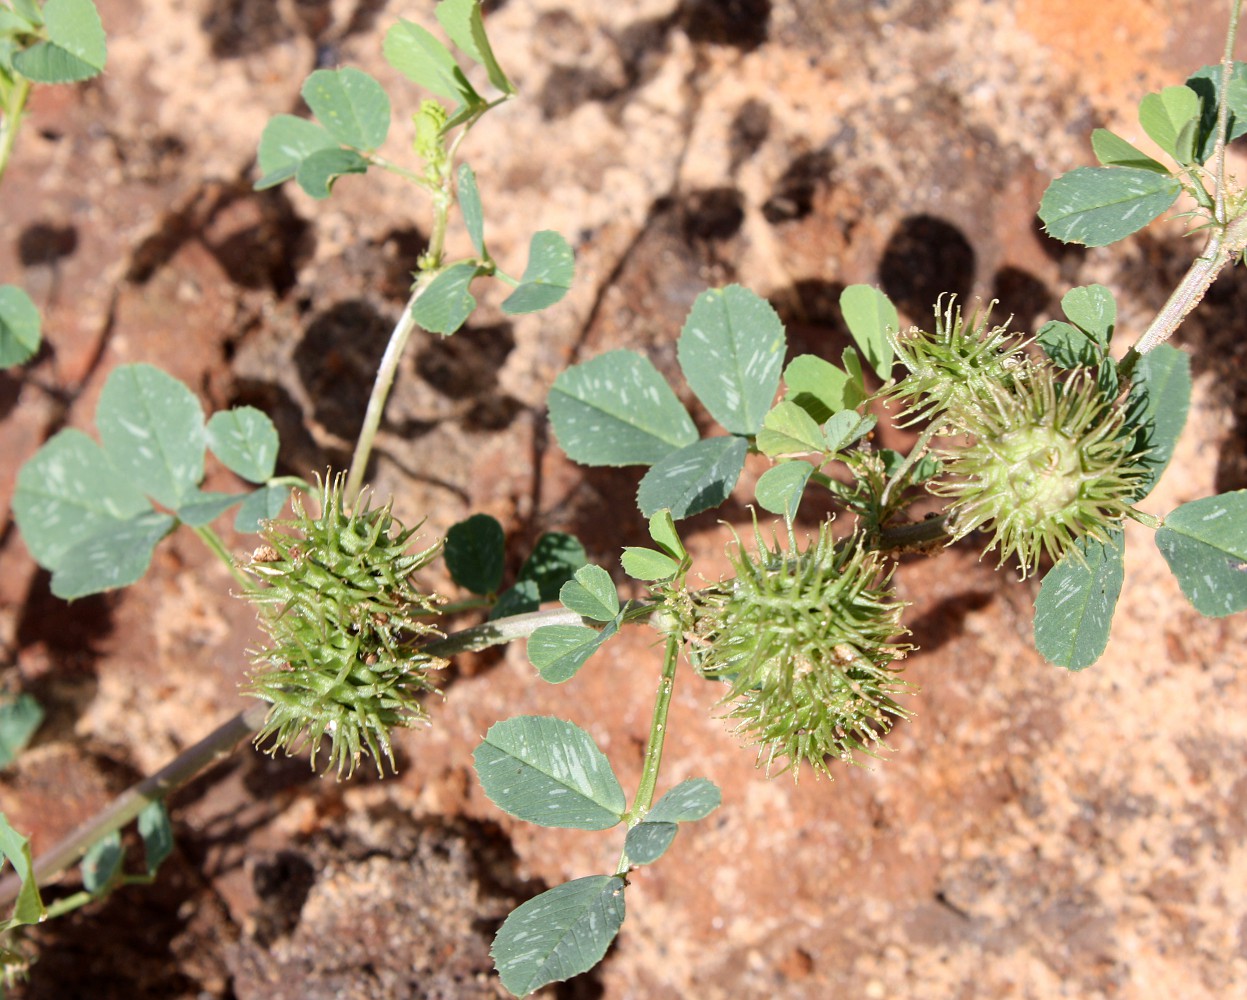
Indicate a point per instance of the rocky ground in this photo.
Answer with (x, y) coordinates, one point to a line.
(1036, 833)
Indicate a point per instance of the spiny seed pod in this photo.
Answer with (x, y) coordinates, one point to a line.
(1048, 464)
(342, 617)
(956, 366)
(803, 640)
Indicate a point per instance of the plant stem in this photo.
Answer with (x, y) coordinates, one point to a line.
(214, 747)
(1223, 246)
(916, 536)
(211, 539)
(403, 172)
(1228, 238)
(12, 119)
(653, 750)
(381, 387)
(222, 741)
(1223, 109)
(499, 632)
(915, 453)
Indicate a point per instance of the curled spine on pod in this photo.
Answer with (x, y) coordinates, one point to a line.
(343, 620)
(956, 366)
(1047, 462)
(803, 639)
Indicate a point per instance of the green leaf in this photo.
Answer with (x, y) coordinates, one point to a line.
(157, 834)
(819, 387)
(200, 508)
(28, 11)
(245, 441)
(1164, 115)
(789, 430)
(561, 933)
(76, 48)
(475, 552)
(732, 351)
(419, 56)
(1097, 206)
(115, 558)
(1114, 151)
(690, 800)
(520, 599)
(28, 908)
(1205, 544)
(101, 863)
(446, 304)
(846, 427)
(69, 492)
(350, 104)
(647, 842)
(554, 560)
(851, 361)
(1206, 83)
(663, 531)
(648, 565)
(1160, 396)
(19, 326)
(546, 279)
(549, 772)
(617, 410)
(263, 504)
(1091, 308)
(693, 479)
(20, 718)
(1184, 152)
(1068, 346)
(462, 22)
(152, 427)
(284, 144)
(1074, 609)
(780, 488)
(559, 651)
(470, 206)
(591, 594)
(870, 315)
(318, 172)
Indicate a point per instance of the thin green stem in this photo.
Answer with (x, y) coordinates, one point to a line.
(915, 453)
(418, 179)
(211, 539)
(381, 387)
(653, 751)
(11, 122)
(443, 199)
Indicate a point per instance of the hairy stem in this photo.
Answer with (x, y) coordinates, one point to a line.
(1223, 246)
(653, 750)
(1228, 238)
(381, 387)
(1223, 110)
(214, 747)
(222, 741)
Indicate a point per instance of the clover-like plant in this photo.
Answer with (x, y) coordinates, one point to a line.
(61, 41)
(1036, 445)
